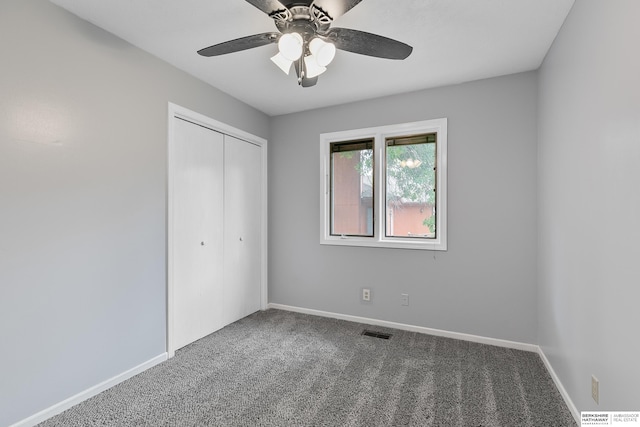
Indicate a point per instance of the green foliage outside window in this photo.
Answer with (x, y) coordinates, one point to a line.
(411, 175)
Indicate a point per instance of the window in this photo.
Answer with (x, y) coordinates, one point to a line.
(385, 186)
(352, 188)
(410, 178)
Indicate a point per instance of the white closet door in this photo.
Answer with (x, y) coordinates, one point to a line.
(243, 231)
(198, 214)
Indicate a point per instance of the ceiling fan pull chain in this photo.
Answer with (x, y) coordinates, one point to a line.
(302, 70)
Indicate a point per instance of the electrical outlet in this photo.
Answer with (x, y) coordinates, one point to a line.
(404, 299)
(595, 389)
(366, 294)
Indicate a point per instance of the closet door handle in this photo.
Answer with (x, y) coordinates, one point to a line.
(201, 243)
(241, 239)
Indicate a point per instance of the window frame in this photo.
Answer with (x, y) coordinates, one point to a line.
(331, 201)
(380, 135)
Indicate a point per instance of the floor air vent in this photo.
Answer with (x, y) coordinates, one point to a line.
(376, 334)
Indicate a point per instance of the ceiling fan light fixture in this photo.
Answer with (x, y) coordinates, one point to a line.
(290, 46)
(283, 63)
(312, 68)
(306, 39)
(323, 52)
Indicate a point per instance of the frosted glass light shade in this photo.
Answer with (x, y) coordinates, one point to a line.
(290, 46)
(312, 67)
(323, 52)
(283, 63)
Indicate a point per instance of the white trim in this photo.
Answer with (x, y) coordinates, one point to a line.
(563, 392)
(379, 135)
(88, 393)
(412, 328)
(176, 111)
(200, 119)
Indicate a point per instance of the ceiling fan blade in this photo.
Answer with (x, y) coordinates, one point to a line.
(336, 8)
(368, 44)
(242, 43)
(268, 6)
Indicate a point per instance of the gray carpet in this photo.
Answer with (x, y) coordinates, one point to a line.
(277, 368)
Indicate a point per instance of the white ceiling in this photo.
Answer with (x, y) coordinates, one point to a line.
(454, 41)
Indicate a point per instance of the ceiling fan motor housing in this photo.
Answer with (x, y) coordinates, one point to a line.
(302, 19)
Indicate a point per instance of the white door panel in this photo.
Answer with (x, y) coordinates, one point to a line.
(198, 247)
(243, 234)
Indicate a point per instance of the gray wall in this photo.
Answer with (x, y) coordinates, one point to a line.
(589, 171)
(485, 284)
(82, 221)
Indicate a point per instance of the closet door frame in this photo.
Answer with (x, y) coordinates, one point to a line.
(176, 111)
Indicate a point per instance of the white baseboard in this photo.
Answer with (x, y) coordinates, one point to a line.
(90, 392)
(563, 392)
(448, 334)
(404, 327)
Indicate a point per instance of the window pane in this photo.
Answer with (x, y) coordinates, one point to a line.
(410, 187)
(352, 188)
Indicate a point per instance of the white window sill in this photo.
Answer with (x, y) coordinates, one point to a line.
(400, 243)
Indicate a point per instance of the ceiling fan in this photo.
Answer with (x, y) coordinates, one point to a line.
(306, 39)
